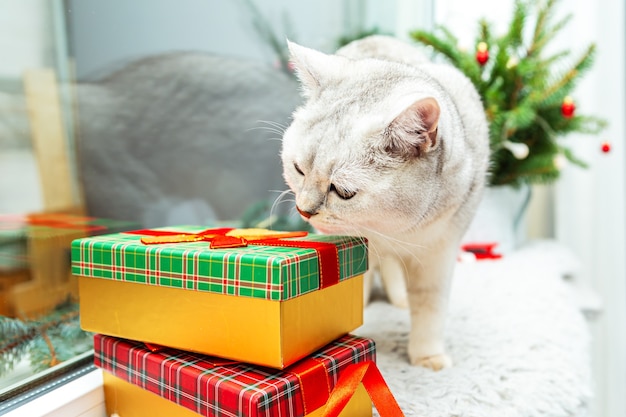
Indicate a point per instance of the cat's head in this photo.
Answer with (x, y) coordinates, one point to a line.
(361, 152)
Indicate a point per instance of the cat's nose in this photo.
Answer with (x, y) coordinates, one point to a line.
(305, 214)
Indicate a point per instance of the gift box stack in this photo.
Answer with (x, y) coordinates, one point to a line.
(35, 273)
(225, 322)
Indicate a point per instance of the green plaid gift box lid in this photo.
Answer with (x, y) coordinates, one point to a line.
(268, 272)
(215, 388)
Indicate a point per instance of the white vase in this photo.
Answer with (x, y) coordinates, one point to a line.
(501, 218)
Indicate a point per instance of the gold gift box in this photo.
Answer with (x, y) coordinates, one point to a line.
(258, 331)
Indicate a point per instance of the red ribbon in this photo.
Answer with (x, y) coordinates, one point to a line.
(315, 388)
(373, 381)
(167, 236)
(54, 220)
(327, 253)
(314, 385)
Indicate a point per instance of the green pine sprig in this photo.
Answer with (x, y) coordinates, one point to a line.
(14, 342)
(269, 36)
(45, 342)
(522, 89)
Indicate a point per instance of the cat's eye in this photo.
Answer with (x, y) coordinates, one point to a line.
(342, 192)
(298, 170)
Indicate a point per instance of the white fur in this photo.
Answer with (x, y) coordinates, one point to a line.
(360, 130)
(519, 341)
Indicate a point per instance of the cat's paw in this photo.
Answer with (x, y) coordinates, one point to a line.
(434, 362)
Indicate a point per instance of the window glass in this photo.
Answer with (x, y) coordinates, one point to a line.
(38, 299)
(118, 115)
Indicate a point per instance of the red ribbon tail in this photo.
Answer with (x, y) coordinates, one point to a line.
(380, 393)
(376, 387)
(344, 390)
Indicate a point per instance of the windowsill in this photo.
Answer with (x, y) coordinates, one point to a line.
(84, 396)
(81, 397)
(21, 371)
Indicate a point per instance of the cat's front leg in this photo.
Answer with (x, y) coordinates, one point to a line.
(392, 274)
(368, 284)
(428, 289)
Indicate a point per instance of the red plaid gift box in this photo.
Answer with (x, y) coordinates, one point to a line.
(215, 387)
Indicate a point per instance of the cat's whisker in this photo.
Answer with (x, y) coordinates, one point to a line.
(280, 200)
(282, 194)
(271, 126)
(353, 231)
(276, 129)
(267, 129)
(273, 123)
(393, 244)
(403, 243)
(394, 240)
(371, 249)
(374, 251)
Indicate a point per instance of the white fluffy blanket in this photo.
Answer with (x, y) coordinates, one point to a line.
(515, 332)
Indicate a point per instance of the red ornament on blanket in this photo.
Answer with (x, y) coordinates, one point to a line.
(606, 147)
(481, 250)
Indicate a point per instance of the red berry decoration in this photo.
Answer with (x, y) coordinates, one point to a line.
(568, 107)
(606, 147)
(482, 53)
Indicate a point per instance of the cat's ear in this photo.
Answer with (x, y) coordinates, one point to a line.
(312, 67)
(414, 131)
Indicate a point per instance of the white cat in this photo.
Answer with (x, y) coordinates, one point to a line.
(394, 148)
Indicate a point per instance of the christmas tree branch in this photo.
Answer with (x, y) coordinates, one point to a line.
(572, 158)
(561, 87)
(14, 334)
(545, 126)
(519, 84)
(267, 33)
(43, 340)
(552, 32)
(546, 172)
(484, 32)
(448, 47)
(524, 101)
(546, 62)
(542, 17)
(53, 356)
(515, 35)
(34, 330)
